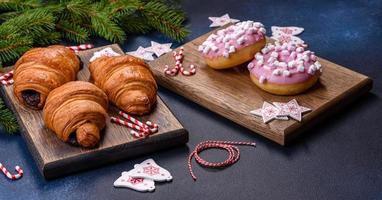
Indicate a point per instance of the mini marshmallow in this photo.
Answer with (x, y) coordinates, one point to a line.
(291, 64)
(293, 55)
(227, 45)
(262, 79)
(299, 49)
(225, 54)
(264, 50)
(206, 49)
(231, 49)
(267, 67)
(260, 62)
(241, 40)
(318, 65)
(250, 66)
(285, 52)
(286, 73)
(200, 48)
(258, 56)
(214, 48)
(262, 30)
(282, 64)
(312, 69)
(300, 68)
(274, 54)
(277, 72)
(271, 60)
(257, 24)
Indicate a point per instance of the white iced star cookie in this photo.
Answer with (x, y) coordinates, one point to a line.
(291, 109)
(142, 53)
(159, 49)
(268, 112)
(221, 21)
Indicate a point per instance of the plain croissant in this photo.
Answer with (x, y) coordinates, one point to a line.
(127, 81)
(40, 70)
(76, 110)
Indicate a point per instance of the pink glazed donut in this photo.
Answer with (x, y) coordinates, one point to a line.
(233, 45)
(285, 69)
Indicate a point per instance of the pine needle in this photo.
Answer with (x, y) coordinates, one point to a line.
(7, 120)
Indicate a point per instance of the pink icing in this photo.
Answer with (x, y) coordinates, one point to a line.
(291, 64)
(232, 38)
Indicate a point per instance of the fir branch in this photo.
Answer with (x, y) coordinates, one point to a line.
(165, 19)
(135, 24)
(9, 5)
(106, 28)
(73, 32)
(7, 120)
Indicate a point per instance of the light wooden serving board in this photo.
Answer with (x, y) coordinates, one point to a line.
(56, 158)
(232, 94)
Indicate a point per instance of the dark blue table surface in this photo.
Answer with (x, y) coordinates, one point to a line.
(341, 158)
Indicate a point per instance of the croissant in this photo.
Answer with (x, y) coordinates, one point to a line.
(127, 81)
(40, 70)
(76, 112)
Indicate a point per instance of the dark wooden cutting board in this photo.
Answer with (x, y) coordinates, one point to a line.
(232, 94)
(56, 158)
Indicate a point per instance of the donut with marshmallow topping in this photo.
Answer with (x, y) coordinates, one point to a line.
(285, 69)
(233, 45)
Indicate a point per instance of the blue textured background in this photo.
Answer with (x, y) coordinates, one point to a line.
(339, 159)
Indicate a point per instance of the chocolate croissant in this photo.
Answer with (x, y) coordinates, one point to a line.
(127, 81)
(40, 70)
(76, 112)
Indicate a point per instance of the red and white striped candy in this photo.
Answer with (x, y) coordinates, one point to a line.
(132, 119)
(19, 174)
(128, 124)
(80, 47)
(6, 75)
(7, 82)
(191, 72)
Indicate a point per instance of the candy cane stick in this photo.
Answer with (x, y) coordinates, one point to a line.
(7, 82)
(128, 124)
(80, 47)
(12, 176)
(132, 119)
(153, 127)
(6, 75)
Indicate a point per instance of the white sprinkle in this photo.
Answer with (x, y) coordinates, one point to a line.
(293, 55)
(305, 58)
(227, 45)
(260, 62)
(262, 79)
(257, 24)
(267, 67)
(220, 32)
(286, 73)
(225, 54)
(219, 39)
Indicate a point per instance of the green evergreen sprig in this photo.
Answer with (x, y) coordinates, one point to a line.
(29, 23)
(7, 120)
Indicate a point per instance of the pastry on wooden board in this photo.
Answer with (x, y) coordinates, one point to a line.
(233, 45)
(40, 70)
(127, 81)
(76, 112)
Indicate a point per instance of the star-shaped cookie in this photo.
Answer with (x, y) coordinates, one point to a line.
(291, 109)
(221, 21)
(141, 53)
(159, 49)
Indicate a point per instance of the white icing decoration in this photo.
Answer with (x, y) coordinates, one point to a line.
(262, 79)
(286, 73)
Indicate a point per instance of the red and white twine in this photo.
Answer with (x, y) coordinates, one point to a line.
(178, 56)
(229, 146)
(80, 47)
(19, 174)
(140, 129)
